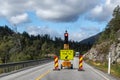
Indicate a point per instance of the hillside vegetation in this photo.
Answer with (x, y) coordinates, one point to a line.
(15, 47)
(110, 35)
(110, 32)
(108, 42)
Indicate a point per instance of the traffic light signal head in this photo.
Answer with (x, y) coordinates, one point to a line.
(66, 37)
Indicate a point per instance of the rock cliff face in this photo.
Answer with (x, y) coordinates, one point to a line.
(100, 52)
(96, 55)
(115, 50)
(115, 53)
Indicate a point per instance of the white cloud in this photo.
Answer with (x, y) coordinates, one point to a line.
(103, 12)
(108, 2)
(53, 10)
(92, 29)
(35, 30)
(19, 19)
(63, 10)
(10, 8)
(60, 10)
(83, 33)
(79, 35)
(97, 9)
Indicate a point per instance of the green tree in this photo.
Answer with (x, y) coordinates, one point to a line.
(112, 27)
(5, 47)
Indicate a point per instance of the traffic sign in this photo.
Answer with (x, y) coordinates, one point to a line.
(66, 54)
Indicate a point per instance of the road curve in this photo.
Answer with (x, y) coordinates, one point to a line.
(45, 72)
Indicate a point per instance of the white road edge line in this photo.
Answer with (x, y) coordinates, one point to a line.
(98, 72)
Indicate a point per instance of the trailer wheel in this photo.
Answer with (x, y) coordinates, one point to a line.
(61, 66)
(71, 66)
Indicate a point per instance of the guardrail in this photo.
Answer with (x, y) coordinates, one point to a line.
(5, 68)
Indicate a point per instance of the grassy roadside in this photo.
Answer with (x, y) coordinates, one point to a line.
(103, 66)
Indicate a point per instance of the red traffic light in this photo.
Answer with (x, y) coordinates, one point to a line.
(66, 34)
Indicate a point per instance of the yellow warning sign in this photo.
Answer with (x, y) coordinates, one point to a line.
(66, 54)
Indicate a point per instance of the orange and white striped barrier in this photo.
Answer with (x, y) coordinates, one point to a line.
(80, 63)
(56, 65)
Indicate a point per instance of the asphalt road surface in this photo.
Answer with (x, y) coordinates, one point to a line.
(45, 72)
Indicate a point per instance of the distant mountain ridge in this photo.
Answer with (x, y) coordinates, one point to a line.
(91, 40)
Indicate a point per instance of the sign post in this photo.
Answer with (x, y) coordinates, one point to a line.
(109, 62)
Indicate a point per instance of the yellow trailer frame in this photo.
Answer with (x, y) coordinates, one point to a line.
(66, 64)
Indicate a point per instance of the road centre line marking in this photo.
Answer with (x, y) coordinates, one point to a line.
(98, 73)
(43, 75)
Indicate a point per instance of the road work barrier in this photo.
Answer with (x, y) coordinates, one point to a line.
(56, 64)
(80, 63)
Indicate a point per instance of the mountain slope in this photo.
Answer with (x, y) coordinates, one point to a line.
(91, 40)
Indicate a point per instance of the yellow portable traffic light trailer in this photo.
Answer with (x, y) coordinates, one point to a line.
(66, 55)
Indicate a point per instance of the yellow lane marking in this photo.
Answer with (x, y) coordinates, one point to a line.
(41, 76)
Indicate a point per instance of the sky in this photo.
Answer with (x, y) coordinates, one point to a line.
(81, 18)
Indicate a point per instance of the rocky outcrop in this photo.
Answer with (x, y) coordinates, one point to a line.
(118, 35)
(95, 54)
(116, 53)
(98, 53)
(101, 51)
